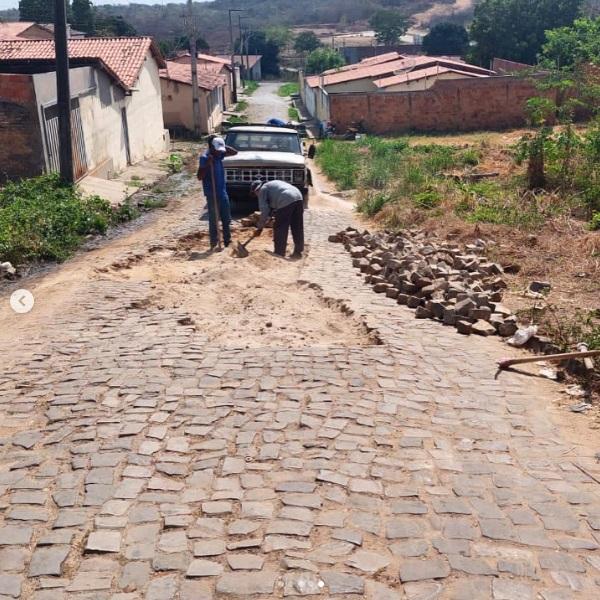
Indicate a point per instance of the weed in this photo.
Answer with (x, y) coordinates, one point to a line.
(427, 199)
(372, 203)
(41, 219)
(250, 87)
(175, 163)
(124, 212)
(595, 222)
(293, 113)
(340, 162)
(152, 203)
(288, 89)
(469, 157)
(135, 183)
(241, 106)
(235, 120)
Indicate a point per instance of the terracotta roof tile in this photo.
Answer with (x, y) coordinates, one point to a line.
(123, 56)
(182, 73)
(12, 30)
(365, 62)
(419, 74)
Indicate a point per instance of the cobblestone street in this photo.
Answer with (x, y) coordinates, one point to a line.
(140, 459)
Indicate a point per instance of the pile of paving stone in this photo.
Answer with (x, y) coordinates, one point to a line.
(457, 286)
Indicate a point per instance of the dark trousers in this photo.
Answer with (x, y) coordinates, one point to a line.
(224, 213)
(286, 218)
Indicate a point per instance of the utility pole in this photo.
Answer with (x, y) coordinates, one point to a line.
(192, 33)
(232, 10)
(63, 92)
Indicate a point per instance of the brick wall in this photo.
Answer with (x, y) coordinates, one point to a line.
(21, 149)
(457, 105)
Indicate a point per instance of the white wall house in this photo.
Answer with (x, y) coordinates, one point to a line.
(115, 100)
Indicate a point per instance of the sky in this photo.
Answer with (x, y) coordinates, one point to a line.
(15, 3)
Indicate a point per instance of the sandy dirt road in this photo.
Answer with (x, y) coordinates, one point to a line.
(177, 425)
(265, 104)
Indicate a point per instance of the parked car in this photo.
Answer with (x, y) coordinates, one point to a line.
(268, 152)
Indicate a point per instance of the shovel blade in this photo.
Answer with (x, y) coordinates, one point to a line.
(239, 251)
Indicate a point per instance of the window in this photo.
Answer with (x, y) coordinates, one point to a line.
(266, 141)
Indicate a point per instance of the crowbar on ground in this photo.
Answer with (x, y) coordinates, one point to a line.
(509, 362)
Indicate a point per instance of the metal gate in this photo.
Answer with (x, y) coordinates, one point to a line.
(80, 166)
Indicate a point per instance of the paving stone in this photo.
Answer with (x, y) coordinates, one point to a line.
(423, 591)
(403, 528)
(135, 576)
(506, 589)
(247, 584)
(302, 584)
(15, 535)
(204, 568)
(241, 527)
(12, 559)
(174, 561)
(209, 548)
(281, 527)
(246, 562)
(367, 561)
(10, 586)
(104, 541)
(343, 583)
(90, 581)
(163, 588)
(410, 548)
(348, 535)
(472, 566)
(560, 561)
(48, 561)
(418, 570)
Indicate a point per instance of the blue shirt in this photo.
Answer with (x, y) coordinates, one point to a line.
(219, 172)
(276, 122)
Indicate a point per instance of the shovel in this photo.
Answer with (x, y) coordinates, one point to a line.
(239, 249)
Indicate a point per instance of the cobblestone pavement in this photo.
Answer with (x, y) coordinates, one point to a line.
(136, 461)
(265, 104)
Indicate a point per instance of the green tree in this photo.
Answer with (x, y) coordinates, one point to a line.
(83, 17)
(568, 46)
(268, 49)
(515, 29)
(38, 11)
(446, 38)
(107, 26)
(279, 35)
(306, 41)
(389, 26)
(323, 59)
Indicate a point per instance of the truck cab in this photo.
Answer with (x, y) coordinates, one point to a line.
(265, 151)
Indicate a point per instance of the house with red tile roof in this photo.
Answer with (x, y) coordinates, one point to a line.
(214, 64)
(176, 86)
(27, 30)
(389, 72)
(116, 105)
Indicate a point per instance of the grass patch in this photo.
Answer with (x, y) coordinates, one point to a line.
(234, 120)
(339, 161)
(293, 113)
(41, 219)
(241, 106)
(288, 89)
(250, 87)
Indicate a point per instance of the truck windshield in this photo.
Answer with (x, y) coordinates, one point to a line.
(264, 141)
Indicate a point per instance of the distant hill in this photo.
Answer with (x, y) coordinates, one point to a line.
(168, 21)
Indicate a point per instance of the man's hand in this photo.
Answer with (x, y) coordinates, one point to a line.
(258, 232)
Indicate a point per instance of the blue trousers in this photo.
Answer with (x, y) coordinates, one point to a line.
(225, 214)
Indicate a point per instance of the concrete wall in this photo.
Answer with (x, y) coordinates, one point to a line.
(177, 108)
(465, 104)
(21, 149)
(145, 115)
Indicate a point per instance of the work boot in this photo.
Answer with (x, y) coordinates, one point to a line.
(296, 256)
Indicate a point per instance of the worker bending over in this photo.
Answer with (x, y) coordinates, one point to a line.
(284, 202)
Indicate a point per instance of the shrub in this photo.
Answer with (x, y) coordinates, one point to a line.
(427, 199)
(595, 222)
(41, 219)
(372, 203)
(340, 162)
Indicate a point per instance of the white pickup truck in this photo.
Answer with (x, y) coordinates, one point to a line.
(269, 152)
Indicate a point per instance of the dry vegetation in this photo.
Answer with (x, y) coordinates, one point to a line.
(433, 182)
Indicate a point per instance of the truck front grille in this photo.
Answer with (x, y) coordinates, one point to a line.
(249, 175)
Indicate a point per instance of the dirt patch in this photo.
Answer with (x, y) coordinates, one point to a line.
(251, 302)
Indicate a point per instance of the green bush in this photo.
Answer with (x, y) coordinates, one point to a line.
(41, 219)
(373, 203)
(288, 89)
(427, 199)
(595, 222)
(340, 162)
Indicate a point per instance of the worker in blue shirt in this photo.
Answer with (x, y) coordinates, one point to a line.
(211, 171)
